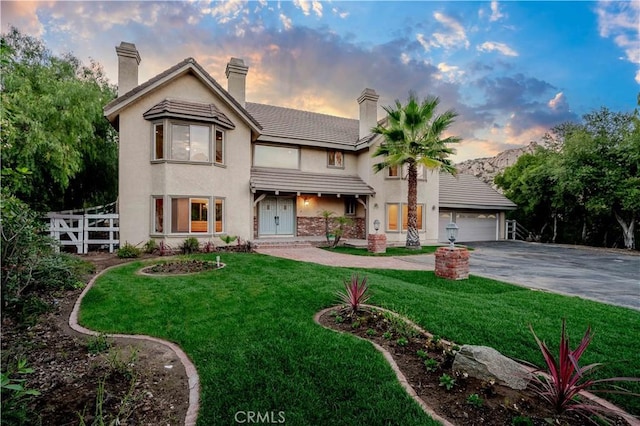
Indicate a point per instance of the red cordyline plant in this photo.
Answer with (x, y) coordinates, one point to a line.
(566, 378)
(356, 293)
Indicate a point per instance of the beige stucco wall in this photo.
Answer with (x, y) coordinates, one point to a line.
(139, 179)
(394, 190)
(315, 161)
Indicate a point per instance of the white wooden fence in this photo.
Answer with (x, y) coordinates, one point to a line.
(83, 230)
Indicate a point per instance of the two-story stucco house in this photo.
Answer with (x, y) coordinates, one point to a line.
(198, 160)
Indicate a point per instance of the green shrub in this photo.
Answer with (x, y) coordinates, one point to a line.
(15, 397)
(97, 344)
(150, 246)
(129, 251)
(190, 245)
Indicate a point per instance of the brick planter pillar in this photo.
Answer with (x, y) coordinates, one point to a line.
(377, 243)
(452, 264)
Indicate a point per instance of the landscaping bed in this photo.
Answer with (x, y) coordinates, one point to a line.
(426, 361)
(180, 267)
(140, 383)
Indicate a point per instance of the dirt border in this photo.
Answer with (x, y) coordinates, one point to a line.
(407, 387)
(190, 370)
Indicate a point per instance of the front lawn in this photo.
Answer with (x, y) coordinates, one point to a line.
(249, 330)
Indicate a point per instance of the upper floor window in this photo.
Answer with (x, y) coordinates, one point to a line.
(392, 171)
(276, 156)
(187, 142)
(335, 158)
(190, 142)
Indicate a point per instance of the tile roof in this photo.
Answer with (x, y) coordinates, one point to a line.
(306, 128)
(186, 65)
(283, 180)
(467, 191)
(177, 108)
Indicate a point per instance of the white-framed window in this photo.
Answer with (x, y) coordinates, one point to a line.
(218, 218)
(392, 172)
(190, 142)
(350, 205)
(396, 172)
(219, 147)
(189, 215)
(335, 158)
(281, 157)
(398, 214)
(157, 226)
(158, 141)
(180, 141)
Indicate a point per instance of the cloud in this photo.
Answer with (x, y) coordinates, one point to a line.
(22, 15)
(496, 15)
(620, 21)
(449, 73)
(337, 12)
(308, 6)
(286, 21)
(490, 46)
(558, 102)
(452, 36)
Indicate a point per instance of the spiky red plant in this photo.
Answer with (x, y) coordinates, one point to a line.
(566, 378)
(356, 293)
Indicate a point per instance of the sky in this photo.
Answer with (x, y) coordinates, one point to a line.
(511, 70)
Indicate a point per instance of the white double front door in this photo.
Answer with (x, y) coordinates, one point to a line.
(276, 216)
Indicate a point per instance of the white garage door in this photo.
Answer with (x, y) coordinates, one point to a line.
(471, 226)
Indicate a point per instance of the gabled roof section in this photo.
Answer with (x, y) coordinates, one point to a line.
(177, 108)
(295, 181)
(113, 108)
(468, 192)
(286, 125)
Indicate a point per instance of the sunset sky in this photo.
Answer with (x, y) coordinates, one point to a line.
(512, 70)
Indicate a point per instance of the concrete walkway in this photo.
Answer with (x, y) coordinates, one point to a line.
(325, 257)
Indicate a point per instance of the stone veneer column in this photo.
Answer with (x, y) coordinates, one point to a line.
(377, 243)
(452, 263)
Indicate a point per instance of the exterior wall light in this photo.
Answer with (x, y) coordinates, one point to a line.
(376, 225)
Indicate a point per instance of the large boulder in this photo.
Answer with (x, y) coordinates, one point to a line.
(486, 363)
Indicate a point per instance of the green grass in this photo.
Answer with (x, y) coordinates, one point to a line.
(391, 251)
(249, 330)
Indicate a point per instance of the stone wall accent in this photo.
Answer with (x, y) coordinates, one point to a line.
(453, 263)
(377, 243)
(314, 227)
(485, 363)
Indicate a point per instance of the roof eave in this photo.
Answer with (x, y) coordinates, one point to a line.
(477, 206)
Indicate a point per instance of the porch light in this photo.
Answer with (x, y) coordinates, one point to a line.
(452, 233)
(306, 201)
(376, 225)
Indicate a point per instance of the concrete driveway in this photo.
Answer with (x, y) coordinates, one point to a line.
(606, 276)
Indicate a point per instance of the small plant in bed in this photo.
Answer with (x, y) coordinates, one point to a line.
(355, 294)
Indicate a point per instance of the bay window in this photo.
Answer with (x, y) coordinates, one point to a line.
(187, 142)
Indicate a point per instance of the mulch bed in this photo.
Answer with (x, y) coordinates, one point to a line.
(495, 404)
(181, 267)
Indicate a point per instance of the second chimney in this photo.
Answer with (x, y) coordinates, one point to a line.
(128, 61)
(368, 101)
(236, 73)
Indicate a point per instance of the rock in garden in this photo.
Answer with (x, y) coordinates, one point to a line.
(486, 363)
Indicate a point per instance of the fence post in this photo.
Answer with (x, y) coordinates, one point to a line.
(85, 233)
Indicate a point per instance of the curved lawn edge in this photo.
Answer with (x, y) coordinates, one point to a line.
(190, 369)
(401, 378)
(409, 389)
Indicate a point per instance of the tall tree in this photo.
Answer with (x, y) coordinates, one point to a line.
(413, 136)
(54, 138)
(601, 166)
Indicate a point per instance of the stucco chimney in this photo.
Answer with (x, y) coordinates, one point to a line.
(236, 79)
(368, 101)
(128, 61)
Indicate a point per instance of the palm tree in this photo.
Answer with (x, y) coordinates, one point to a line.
(413, 136)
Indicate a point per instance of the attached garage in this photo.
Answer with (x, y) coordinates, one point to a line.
(477, 209)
